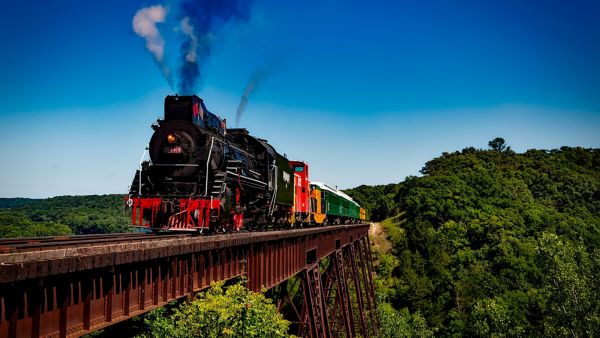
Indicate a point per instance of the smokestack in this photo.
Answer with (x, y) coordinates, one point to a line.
(144, 25)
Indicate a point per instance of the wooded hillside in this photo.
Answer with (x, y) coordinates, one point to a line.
(491, 242)
(63, 215)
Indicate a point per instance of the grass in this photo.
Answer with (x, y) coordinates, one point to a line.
(389, 229)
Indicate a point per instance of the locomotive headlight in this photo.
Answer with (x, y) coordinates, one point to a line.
(171, 138)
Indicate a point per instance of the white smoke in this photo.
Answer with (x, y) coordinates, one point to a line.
(188, 29)
(144, 25)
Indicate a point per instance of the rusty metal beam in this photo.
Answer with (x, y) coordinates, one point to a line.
(73, 291)
(342, 292)
(334, 303)
(314, 301)
(354, 277)
(367, 258)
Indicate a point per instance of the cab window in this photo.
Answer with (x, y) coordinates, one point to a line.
(299, 169)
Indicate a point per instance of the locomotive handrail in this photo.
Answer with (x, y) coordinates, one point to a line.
(272, 206)
(212, 141)
(236, 148)
(175, 165)
(246, 178)
(140, 170)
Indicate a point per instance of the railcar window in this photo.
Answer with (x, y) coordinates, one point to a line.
(213, 121)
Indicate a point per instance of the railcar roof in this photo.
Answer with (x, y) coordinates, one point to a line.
(324, 186)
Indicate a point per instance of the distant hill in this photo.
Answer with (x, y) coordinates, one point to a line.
(62, 215)
(378, 200)
(15, 202)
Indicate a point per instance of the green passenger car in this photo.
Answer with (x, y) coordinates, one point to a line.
(338, 206)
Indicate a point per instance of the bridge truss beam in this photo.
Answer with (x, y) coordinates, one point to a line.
(74, 291)
(334, 297)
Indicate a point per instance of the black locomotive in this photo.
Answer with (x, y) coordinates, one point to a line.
(203, 176)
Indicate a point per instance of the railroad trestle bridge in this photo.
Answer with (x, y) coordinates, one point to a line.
(321, 277)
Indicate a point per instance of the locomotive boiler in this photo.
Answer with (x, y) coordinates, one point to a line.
(202, 176)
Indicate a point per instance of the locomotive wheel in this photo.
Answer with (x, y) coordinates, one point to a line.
(216, 229)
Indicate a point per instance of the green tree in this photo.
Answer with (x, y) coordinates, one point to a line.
(231, 312)
(491, 318)
(498, 144)
(401, 324)
(571, 287)
(377, 200)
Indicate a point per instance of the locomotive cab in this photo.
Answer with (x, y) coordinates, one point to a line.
(192, 109)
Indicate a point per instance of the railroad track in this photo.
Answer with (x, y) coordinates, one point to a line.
(24, 244)
(31, 244)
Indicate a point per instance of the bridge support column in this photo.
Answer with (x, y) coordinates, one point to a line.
(368, 268)
(355, 283)
(314, 302)
(338, 297)
(332, 297)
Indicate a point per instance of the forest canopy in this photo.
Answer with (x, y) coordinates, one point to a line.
(63, 215)
(495, 243)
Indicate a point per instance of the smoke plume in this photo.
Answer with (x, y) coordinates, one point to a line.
(144, 25)
(200, 19)
(253, 82)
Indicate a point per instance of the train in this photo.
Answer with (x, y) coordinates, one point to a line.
(204, 177)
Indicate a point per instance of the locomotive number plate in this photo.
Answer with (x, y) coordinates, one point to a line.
(173, 150)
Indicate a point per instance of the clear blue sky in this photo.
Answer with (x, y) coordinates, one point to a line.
(365, 91)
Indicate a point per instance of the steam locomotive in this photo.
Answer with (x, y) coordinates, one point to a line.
(202, 176)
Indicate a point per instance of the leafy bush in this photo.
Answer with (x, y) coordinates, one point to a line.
(231, 312)
(401, 324)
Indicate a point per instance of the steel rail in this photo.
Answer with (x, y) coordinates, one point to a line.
(25, 244)
(19, 240)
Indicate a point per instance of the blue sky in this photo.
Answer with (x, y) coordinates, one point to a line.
(365, 91)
